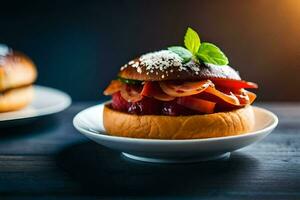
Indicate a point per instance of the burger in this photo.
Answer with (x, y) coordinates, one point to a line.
(179, 93)
(17, 73)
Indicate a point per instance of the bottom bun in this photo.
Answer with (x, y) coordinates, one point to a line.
(178, 127)
(15, 99)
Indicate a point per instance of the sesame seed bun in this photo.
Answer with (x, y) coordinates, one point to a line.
(166, 65)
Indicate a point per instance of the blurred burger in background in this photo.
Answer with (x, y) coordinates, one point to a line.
(17, 74)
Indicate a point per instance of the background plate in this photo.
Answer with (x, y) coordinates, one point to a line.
(46, 101)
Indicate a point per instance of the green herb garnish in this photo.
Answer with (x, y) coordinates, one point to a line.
(210, 53)
(192, 41)
(199, 52)
(129, 81)
(185, 54)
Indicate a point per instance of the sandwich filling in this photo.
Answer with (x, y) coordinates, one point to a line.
(177, 98)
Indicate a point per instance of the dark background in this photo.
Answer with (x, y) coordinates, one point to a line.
(79, 46)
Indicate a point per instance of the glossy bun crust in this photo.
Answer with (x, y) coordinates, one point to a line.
(16, 70)
(174, 70)
(178, 127)
(16, 99)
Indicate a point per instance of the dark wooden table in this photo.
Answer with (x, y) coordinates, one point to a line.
(49, 159)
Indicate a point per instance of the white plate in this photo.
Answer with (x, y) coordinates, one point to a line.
(89, 122)
(46, 101)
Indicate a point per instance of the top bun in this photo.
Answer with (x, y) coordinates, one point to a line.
(16, 69)
(167, 65)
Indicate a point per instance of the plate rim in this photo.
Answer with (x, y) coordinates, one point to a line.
(45, 111)
(145, 140)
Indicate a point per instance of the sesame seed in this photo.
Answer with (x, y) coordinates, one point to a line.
(162, 60)
(139, 70)
(123, 67)
(135, 65)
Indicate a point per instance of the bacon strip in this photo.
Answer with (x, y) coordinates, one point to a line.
(184, 89)
(114, 86)
(152, 89)
(228, 98)
(131, 93)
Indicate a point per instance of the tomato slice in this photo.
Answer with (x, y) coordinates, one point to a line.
(131, 93)
(152, 89)
(197, 104)
(181, 89)
(229, 83)
(114, 86)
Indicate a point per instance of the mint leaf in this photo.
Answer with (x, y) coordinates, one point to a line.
(185, 54)
(210, 53)
(192, 41)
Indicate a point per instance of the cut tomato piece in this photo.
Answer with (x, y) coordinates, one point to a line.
(197, 104)
(181, 89)
(131, 93)
(118, 103)
(114, 86)
(152, 89)
(229, 83)
(229, 98)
